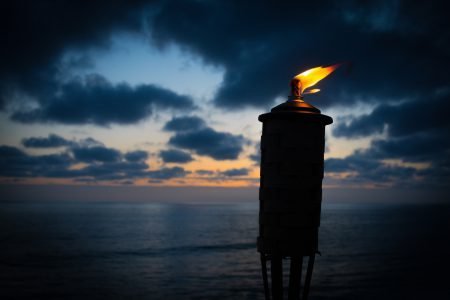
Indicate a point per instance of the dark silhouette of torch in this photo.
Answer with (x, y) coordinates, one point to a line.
(292, 164)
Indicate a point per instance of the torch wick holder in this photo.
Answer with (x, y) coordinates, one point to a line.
(295, 97)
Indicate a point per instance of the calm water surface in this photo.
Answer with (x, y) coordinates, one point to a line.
(175, 251)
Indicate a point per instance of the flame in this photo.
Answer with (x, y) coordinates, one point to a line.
(311, 91)
(309, 78)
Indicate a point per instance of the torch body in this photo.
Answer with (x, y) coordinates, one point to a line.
(292, 164)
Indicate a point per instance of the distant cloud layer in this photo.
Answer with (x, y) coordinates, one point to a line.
(100, 163)
(88, 160)
(417, 132)
(235, 172)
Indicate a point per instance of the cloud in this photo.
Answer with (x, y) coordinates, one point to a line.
(175, 156)
(235, 172)
(191, 133)
(185, 124)
(39, 33)
(168, 173)
(415, 132)
(208, 142)
(16, 163)
(94, 100)
(96, 154)
(361, 168)
(47, 42)
(393, 56)
(52, 141)
(202, 172)
(416, 116)
(372, 165)
(265, 47)
(136, 156)
(84, 161)
(99, 163)
(102, 171)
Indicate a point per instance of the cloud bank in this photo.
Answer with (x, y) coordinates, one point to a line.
(84, 161)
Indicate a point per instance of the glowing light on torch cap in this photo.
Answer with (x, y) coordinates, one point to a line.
(301, 82)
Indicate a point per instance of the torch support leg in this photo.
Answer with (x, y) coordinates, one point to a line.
(264, 275)
(308, 277)
(295, 277)
(277, 277)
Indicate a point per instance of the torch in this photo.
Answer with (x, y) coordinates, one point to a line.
(290, 194)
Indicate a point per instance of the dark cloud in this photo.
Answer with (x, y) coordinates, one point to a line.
(185, 124)
(102, 171)
(52, 141)
(100, 163)
(168, 173)
(397, 49)
(235, 172)
(416, 132)
(35, 33)
(94, 100)
(421, 115)
(136, 156)
(16, 163)
(39, 35)
(89, 142)
(96, 153)
(116, 170)
(361, 168)
(207, 141)
(372, 164)
(175, 156)
(191, 133)
(413, 148)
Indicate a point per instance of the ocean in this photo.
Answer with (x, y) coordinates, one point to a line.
(120, 250)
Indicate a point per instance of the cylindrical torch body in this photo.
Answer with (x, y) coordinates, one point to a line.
(292, 167)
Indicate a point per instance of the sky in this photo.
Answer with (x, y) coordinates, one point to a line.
(166, 94)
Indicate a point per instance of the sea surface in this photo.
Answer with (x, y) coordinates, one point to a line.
(113, 250)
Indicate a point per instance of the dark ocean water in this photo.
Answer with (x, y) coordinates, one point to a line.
(175, 251)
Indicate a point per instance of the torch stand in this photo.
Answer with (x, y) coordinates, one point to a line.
(292, 149)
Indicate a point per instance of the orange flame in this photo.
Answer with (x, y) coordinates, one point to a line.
(309, 78)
